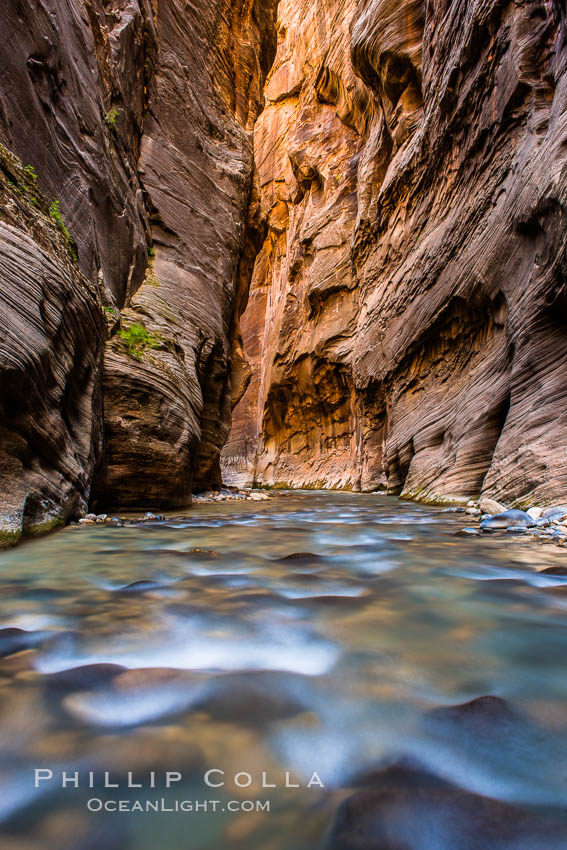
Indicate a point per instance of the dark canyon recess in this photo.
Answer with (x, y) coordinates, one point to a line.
(345, 220)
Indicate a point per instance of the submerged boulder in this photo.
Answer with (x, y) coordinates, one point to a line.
(408, 808)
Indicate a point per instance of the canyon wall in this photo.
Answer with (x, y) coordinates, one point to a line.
(407, 322)
(399, 205)
(168, 407)
(129, 215)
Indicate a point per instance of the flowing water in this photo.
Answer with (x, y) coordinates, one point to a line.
(233, 655)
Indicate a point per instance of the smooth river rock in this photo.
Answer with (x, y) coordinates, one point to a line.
(408, 808)
(555, 514)
(509, 519)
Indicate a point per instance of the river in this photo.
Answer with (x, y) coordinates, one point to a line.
(315, 634)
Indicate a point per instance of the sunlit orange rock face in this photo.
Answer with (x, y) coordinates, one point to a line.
(407, 320)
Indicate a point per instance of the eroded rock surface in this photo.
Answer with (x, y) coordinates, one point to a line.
(134, 121)
(406, 326)
(168, 409)
(51, 345)
(406, 322)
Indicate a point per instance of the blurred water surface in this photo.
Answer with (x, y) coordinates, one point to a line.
(312, 632)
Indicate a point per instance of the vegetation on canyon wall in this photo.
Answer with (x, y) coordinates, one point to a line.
(138, 166)
(391, 180)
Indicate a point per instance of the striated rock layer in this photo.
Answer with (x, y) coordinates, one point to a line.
(168, 409)
(132, 121)
(407, 326)
(51, 345)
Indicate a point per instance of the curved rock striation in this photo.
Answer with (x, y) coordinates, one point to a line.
(51, 344)
(134, 122)
(393, 183)
(168, 407)
(408, 312)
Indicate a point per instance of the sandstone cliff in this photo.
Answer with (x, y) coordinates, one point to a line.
(132, 121)
(168, 407)
(407, 326)
(51, 347)
(399, 204)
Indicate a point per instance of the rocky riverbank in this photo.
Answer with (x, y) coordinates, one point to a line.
(232, 494)
(546, 525)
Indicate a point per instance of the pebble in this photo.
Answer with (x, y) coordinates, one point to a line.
(468, 532)
(150, 517)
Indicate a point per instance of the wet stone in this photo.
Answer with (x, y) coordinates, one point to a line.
(132, 698)
(15, 640)
(142, 586)
(301, 557)
(255, 700)
(555, 514)
(83, 678)
(406, 804)
(508, 519)
(488, 726)
(486, 710)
